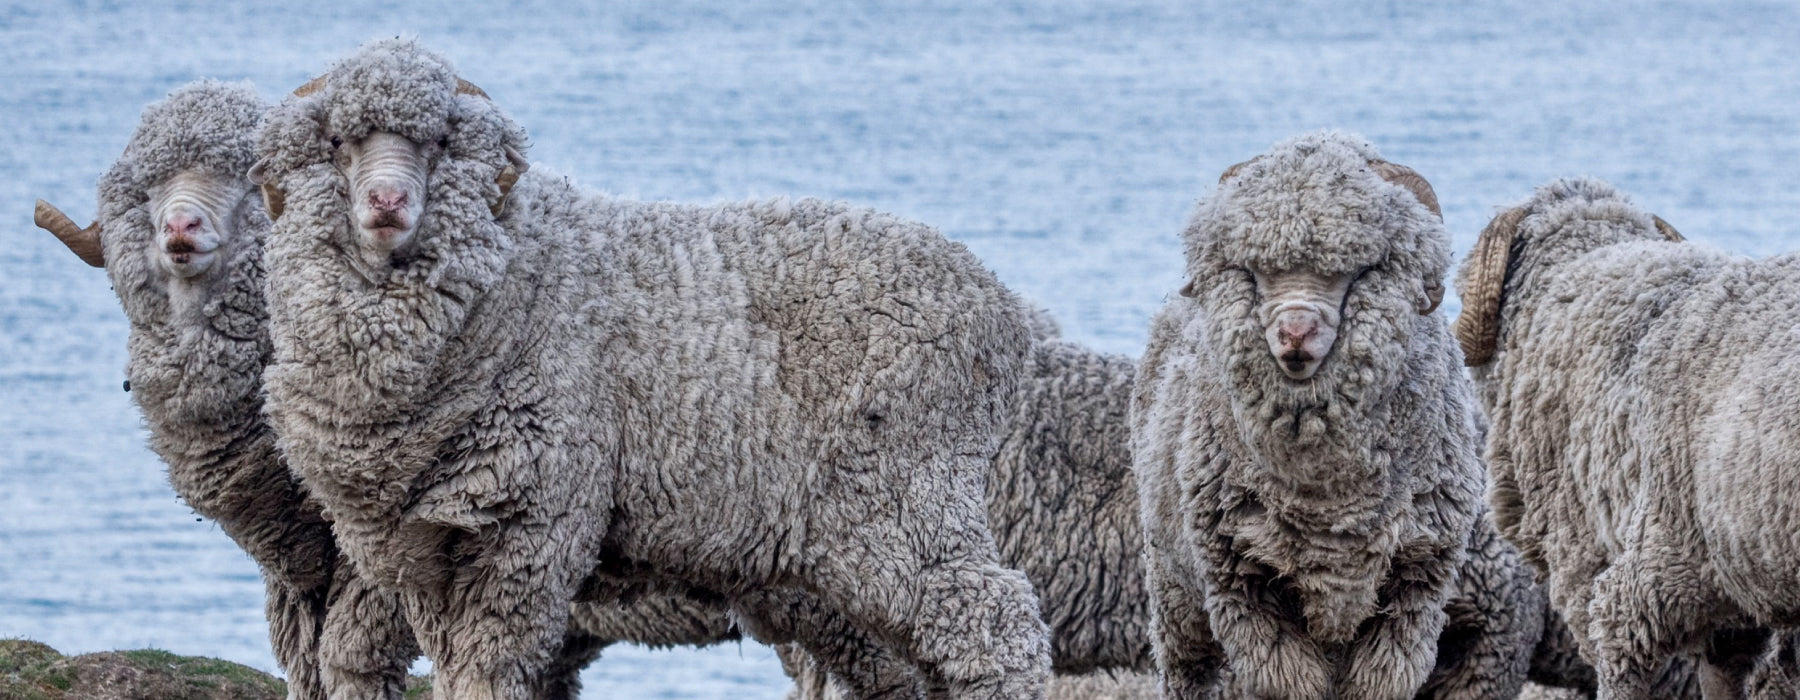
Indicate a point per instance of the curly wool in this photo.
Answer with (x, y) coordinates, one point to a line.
(1643, 442)
(744, 397)
(1349, 497)
(196, 375)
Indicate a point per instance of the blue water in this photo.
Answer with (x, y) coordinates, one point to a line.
(1064, 142)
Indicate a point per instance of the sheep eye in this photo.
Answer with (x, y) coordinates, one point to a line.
(336, 143)
(443, 142)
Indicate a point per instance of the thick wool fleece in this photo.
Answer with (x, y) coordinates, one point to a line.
(782, 395)
(196, 366)
(1644, 439)
(1305, 533)
(1062, 502)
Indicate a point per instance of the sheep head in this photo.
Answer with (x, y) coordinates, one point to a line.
(179, 193)
(1300, 306)
(387, 150)
(1485, 275)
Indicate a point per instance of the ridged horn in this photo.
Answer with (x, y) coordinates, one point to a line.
(1665, 229)
(1411, 180)
(274, 200)
(84, 242)
(1477, 328)
(311, 86)
(464, 87)
(508, 177)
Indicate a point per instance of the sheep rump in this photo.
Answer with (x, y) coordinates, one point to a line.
(1643, 442)
(743, 398)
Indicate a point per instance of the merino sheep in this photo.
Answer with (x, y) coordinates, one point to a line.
(495, 382)
(1062, 502)
(1300, 433)
(1643, 446)
(180, 233)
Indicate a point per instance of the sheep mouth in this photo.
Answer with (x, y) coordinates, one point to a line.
(388, 227)
(1298, 365)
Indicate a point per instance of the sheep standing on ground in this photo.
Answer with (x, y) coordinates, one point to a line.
(1643, 444)
(493, 382)
(1300, 434)
(180, 232)
(1063, 500)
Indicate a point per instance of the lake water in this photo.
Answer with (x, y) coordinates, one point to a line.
(1064, 142)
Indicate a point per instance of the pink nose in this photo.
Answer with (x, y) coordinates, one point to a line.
(384, 199)
(182, 224)
(1293, 330)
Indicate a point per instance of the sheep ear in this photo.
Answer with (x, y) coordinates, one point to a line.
(1666, 230)
(84, 242)
(274, 200)
(1434, 295)
(1191, 289)
(1477, 328)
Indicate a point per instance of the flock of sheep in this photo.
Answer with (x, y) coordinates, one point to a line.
(455, 406)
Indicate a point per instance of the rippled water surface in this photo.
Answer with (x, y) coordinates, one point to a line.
(1064, 142)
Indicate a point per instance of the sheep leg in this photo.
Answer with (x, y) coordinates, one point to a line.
(1181, 635)
(1271, 655)
(1392, 657)
(296, 618)
(1629, 594)
(824, 642)
(1494, 618)
(367, 646)
(562, 681)
(962, 619)
(492, 624)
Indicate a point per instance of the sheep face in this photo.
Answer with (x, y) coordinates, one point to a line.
(1300, 312)
(387, 174)
(194, 215)
(1314, 267)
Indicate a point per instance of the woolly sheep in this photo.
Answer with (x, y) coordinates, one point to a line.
(1062, 502)
(1643, 446)
(494, 382)
(1300, 433)
(180, 234)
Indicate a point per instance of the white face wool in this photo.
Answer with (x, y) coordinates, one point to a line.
(387, 174)
(1300, 312)
(194, 215)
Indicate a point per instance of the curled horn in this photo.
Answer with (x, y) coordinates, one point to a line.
(464, 87)
(1477, 328)
(1411, 180)
(1666, 230)
(274, 200)
(84, 242)
(311, 86)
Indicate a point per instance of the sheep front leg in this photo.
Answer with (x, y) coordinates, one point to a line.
(963, 619)
(1269, 654)
(1181, 633)
(367, 645)
(1629, 594)
(1391, 658)
(493, 624)
(826, 643)
(296, 618)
